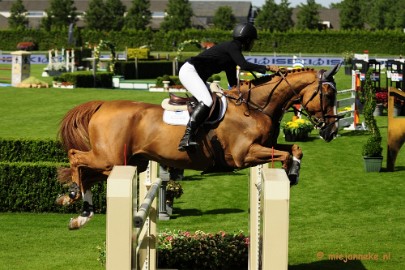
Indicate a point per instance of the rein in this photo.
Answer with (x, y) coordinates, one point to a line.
(250, 104)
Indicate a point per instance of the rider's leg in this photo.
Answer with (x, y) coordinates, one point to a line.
(195, 85)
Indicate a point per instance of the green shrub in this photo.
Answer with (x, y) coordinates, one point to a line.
(146, 69)
(21, 150)
(86, 79)
(32, 187)
(372, 147)
(183, 250)
(126, 69)
(140, 53)
(28, 177)
(174, 80)
(383, 42)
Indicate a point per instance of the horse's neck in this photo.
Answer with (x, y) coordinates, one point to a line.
(272, 97)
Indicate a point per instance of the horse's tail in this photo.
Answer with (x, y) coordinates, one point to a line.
(73, 130)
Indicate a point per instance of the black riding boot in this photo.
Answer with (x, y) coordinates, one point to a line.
(198, 116)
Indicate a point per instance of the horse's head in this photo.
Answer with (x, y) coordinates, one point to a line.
(272, 95)
(320, 103)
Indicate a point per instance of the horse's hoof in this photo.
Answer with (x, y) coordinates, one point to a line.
(62, 200)
(77, 223)
(73, 225)
(297, 151)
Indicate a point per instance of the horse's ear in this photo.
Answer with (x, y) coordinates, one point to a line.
(329, 74)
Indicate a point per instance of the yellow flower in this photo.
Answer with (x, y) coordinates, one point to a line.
(298, 125)
(294, 124)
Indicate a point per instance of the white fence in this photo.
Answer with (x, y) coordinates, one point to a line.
(131, 223)
(348, 119)
(269, 218)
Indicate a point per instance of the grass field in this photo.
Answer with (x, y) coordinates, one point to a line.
(337, 208)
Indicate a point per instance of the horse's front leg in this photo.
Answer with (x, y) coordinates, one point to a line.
(87, 211)
(294, 167)
(290, 156)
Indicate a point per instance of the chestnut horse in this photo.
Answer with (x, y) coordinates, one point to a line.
(100, 134)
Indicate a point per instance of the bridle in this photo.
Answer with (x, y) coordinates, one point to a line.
(318, 122)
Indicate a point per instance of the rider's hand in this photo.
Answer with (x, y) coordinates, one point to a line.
(275, 68)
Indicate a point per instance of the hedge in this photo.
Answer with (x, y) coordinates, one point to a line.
(86, 79)
(32, 187)
(146, 69)
(21, 150)
(184, 250)
(385, 42)
(28, 177)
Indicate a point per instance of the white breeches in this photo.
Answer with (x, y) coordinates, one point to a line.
(194, 84)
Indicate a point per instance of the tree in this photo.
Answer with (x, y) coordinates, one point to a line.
(17, 19)
(224, 19)
(266, 19)
(94, 16)
(285, 21)
(350, 14)
(400, 15)
(179, 13)
(114, 14)
(60, 14)
(385, 14)
(275, 17)
(139, 15)
(308, 15)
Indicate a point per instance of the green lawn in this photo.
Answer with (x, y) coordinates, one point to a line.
(337, 208)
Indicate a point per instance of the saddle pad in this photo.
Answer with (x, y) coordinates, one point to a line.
(169, 107)
(177, 118)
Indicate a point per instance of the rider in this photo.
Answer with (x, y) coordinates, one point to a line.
(222, 57)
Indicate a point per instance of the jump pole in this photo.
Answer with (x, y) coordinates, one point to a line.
(269, 218)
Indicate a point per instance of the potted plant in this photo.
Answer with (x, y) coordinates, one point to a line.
(297, 130)
(174, 190)
(381, 98)
(169, 83)
(372, 150)
(347, 61)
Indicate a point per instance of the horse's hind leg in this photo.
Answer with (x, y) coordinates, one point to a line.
(76, 187)
(86, 169)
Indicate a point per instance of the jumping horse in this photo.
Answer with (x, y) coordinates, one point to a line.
(100, 134)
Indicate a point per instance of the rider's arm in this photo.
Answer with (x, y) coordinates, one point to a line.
(239, 59)
(231, 76)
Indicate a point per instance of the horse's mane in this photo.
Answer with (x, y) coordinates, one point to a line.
(266, 79)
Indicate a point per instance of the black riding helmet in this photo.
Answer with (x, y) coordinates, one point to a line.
(246, 33)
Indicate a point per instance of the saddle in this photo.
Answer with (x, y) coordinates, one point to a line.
(177, 109)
